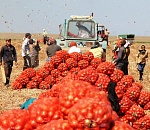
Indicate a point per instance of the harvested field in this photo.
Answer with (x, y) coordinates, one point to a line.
(14, 98)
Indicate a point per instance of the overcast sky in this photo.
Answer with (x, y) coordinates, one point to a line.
(119, 16)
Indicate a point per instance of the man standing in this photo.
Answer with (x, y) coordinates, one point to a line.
(35, 53)
(8, 55)
(141, 59)
(120, 60)
(52, 48)
(44, 36)
(83, 31)
(26, 51)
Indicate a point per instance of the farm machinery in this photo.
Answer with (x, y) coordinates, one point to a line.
(83, 30)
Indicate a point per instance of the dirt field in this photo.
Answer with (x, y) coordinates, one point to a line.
(14, 98)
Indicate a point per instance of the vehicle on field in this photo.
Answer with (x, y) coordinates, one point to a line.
(83, 30)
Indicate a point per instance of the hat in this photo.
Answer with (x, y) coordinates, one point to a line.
(27, 34)
(73, 44)
(8, 39)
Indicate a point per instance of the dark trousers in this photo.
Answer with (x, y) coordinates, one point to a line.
(45, 39)
(141, 69)
(120, 66)
(8, 70)
(112, 96)
(34, 61)
(27, 62)
(107, 40)
(104, 50)
(125, 68)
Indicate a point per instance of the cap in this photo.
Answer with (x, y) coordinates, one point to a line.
(8, 39)
(27, 34)
(73, 44)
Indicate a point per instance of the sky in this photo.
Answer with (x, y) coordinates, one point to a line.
(118, 16)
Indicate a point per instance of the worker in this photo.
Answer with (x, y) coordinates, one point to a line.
(74, 48)
(52, 48)
(44, 36)
(8, 55)
(98, 51)
(141, 59)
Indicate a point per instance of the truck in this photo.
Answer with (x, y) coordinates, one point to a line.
(83, 30)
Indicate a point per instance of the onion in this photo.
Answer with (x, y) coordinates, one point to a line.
(87, 123)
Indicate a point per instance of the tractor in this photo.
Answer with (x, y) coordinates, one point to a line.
(83, 30)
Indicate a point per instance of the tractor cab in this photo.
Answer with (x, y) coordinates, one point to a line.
(81, 29)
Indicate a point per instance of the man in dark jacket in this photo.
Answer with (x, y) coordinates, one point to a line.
(121, 56)
(35, 52)
(8, 55)
(52, 48)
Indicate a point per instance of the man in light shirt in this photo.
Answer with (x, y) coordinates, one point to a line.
(44, 36)
(141, 59)
(74, 48)
(26, 51)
